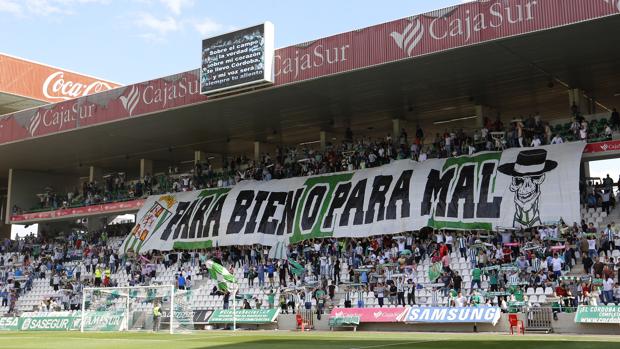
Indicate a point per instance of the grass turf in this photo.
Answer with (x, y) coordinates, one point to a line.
(296, 340)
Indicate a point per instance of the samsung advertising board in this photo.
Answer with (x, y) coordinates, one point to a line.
(237, 59)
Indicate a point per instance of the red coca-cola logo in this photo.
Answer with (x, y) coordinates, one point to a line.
(57, 87)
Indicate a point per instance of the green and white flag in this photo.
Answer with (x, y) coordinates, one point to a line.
(279, 250)
(296, 268)
(434, 272)
(225, 280)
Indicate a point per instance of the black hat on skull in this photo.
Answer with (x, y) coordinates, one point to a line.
(529, 163)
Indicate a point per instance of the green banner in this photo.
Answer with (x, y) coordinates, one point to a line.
(50, 323)
(244, 316)
(344, 321)
(93, 321)
(587, 314)
(100, 321)
(9, 323)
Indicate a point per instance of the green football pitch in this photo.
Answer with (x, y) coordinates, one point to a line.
(296, 340)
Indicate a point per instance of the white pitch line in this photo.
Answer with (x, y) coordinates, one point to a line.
(118, 339)
(394, 344)
(200, 337)
(88, 338)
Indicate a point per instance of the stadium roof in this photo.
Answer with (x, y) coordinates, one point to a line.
(26, 84)
(405, 75)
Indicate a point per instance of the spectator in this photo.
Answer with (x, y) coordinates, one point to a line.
(557, 139)
(226, 300)
(476, 277)
(181, 282)
(608, 290)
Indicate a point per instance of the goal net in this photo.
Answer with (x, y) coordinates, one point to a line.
(133, 309)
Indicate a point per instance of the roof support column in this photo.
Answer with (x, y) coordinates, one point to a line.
(256, 151)
(482, 112)
(396, 127)
(577, 102)
(586, 168)
(323, 139)
(199, 156)
(9, 198)
(5, 229)
(146, 167)
(94, 174)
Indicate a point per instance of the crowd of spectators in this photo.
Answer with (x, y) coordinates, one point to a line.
(388, 267)
(351, 154)
(502, 268)
(596, 192)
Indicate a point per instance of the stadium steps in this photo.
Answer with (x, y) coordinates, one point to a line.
(614, 216)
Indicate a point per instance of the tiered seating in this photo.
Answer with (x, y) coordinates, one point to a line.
(594, 215)
(202, 286)
(30, 301)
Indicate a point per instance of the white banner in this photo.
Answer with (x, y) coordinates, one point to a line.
(516, 188)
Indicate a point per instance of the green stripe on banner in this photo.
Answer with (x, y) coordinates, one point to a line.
(193, 245)
(458, 225)
(331, 181)
(217, 192)
(469, 159)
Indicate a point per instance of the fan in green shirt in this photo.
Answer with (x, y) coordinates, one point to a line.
(493, 279)
(476, 274)
(518, 293)
(476, 299)
(271, 299)
(453, 293)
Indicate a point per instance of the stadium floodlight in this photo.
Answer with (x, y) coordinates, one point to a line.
(132, 309)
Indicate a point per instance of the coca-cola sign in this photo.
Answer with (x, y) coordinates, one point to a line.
(57, 87)
(45, 83)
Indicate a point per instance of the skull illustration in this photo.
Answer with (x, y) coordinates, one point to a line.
(527, 190)
(528, 173)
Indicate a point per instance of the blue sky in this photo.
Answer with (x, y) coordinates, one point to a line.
(129, 41)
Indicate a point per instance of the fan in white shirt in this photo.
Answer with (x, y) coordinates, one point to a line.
(460, 301)
(557, 140)
(440, 238)
(557, 264)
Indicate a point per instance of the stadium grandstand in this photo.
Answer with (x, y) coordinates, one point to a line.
(425, 174)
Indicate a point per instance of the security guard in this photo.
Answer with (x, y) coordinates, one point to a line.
(98, 277)
(156, 316)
